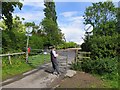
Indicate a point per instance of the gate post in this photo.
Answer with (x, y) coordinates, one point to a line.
(76, 55)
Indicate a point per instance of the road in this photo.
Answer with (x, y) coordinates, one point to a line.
(43, 76)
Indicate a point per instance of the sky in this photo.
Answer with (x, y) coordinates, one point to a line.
(69, 16)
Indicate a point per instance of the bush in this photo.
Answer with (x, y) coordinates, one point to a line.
(100, 66)
(76, 66)
(36, 42)
(101, 46)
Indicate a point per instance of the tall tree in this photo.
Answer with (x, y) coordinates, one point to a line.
(101, 15)
(50, 26)
(118, 28)
(49, 11)
(15, 39)
(7, 10)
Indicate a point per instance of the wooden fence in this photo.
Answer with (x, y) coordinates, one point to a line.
(33, 52)
(80, 55)
(11, 54)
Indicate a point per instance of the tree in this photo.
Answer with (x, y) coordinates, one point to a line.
(50, 26)
(49, 11)
(8, 36)
(102, 16)
(118, 29)
(15, 39)
(7, 10)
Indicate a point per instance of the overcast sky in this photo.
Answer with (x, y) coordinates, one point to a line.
(70, 16)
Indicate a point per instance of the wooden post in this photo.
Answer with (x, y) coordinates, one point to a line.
(76, 55)
(9, 58)
(67, 60)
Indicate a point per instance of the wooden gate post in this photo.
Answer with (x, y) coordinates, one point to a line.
(76, 55)
(67, 60)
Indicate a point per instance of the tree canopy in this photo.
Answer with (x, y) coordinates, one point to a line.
(50, 26)
(103, 17)
(7, 10)
(14, 30)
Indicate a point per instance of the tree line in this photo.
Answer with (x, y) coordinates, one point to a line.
(45, 34)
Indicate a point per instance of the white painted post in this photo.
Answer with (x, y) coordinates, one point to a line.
(9, 58)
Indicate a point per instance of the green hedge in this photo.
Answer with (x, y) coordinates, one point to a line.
(99, 66)
(102, 46)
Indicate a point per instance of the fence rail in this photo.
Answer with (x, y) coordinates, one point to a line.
(82, 55)
(10, 54)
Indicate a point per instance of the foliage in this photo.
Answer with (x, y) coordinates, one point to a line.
(19, 65)
(100, 66)
(52, 32)
(106, 67)
(67, 45)
(13, 35)
(104, 41)
(28, 24)
(76, 66)
(118, 30)
(49, 11)
(102, 46)
(15, 39)
(7, 10)
(111, 83)
(36, 42)
(101, 15)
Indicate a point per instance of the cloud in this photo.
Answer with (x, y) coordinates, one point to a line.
(35, 16)
(69, 14)
(73, 34)
(71, 23)
(70, 0)
(34, 4)
(73, 29)
(31, 11)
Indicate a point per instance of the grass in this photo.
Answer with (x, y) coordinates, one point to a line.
(110, 80)
(19, 65)
(37, 60)
(108, 83)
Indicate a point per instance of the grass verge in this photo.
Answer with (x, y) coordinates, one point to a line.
(107, 82)
(19, 65)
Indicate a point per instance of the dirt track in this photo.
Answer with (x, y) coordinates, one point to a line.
(80, 80)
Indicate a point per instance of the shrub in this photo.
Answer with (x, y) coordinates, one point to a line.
(100, 66)
(76, 66)
(102, 46)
